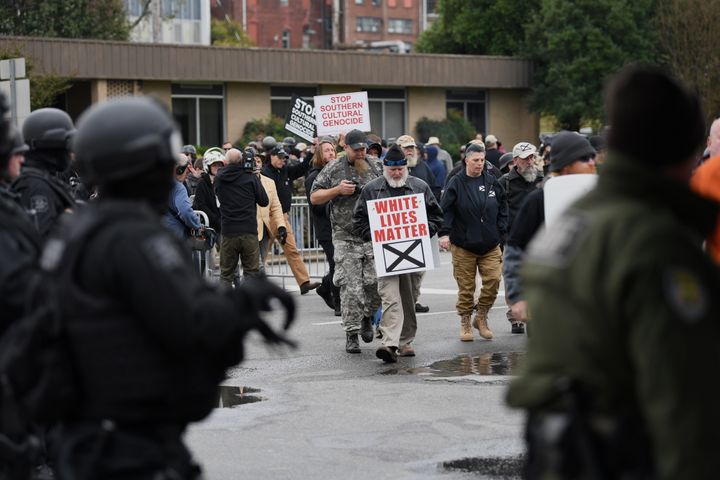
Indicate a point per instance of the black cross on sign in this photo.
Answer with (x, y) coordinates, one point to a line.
(402, 253)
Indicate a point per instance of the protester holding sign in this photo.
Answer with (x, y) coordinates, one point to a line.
(475, 210)
(340, 183)
(398, 323)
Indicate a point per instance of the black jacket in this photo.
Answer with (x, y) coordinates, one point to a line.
(423, 172)
(282, 178)
(516, 189)
(475, 210)
(239, 191)
(492, 155)
(320, 213)
(460, 167)
(206, 201)
(379, 188)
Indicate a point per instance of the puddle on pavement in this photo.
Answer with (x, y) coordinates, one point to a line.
(504, 363)
(229, 397)
(493, 467)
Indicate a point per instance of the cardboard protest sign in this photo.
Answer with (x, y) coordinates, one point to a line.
(400, 235)
(342, 112)
(300, 120)
(562, 191)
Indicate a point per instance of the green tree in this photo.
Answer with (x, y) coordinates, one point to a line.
(454, 131)
(101, 19)
(44, 88)
(576, 44)
(689, 42)
(478, 27)
(256, 130)
(229, 34)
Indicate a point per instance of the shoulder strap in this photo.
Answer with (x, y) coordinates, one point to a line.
(45, 177)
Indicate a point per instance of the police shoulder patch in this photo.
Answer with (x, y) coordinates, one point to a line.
(162, 252)
(39, 203)
(685, 294)
(555, 246)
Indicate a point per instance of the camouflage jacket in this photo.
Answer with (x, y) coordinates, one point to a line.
(341, 207)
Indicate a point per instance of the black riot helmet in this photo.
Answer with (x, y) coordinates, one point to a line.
(268, 143)
(125, 139)
(289, 143)
(48, 129)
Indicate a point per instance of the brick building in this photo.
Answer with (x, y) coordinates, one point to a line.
(389, 25)
(280, 23)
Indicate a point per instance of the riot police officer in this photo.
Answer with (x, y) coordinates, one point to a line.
(150, 339)
(42, 192)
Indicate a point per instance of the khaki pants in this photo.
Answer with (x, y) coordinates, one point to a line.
(398, 323)
(465, 265)
(244, 247)
(292, 256)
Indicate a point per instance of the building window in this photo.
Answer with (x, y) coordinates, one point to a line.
(387, 112)
(376, 3)
(286, 39)
(200, 112)
(283, 3)
(133, 8)
(470, 104)
(280, 98)
(368, 24)
(392, 3)
(407, 3)
(181, 9)
(358, 2)
(400, 25)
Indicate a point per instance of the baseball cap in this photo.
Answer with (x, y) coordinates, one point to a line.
(524, 150)
(406, 141)
(491, 140)
(433, 141)
(355, 139)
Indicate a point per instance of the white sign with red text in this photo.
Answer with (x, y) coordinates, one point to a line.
(342, 112)
(400, 235)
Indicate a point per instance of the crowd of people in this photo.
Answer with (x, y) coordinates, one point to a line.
(623, 269)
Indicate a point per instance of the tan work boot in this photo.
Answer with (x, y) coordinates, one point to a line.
(466, 334)
(480, 322)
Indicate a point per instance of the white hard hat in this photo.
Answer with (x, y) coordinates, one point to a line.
(212, 155)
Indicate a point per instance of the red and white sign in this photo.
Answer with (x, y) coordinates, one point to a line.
(341, 113)
(400, 235)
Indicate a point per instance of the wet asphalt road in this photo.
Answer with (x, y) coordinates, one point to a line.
(320, 412)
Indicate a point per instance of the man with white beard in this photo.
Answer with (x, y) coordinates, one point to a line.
(398, 323)
(523, 178)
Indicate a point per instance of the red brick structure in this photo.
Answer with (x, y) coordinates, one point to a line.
(310, 23)
(280, 23)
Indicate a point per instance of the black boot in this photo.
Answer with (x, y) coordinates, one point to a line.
(351, 343)
(336, 299)
(366, 330)
(326, 294)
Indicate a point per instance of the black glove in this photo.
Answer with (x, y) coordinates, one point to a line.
(256, 293)
(282, 235)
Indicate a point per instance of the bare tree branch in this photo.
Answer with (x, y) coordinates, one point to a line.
(143, 14)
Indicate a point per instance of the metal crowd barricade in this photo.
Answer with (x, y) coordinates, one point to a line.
(308, 246)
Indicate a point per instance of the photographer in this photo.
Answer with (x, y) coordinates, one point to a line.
(340, 183)
(239, 190)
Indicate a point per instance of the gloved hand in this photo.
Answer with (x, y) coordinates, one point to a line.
(282, 235)
(257, 293)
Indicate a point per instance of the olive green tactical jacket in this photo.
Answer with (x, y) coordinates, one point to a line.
(624, 300)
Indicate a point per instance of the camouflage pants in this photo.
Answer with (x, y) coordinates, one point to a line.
(355, 275)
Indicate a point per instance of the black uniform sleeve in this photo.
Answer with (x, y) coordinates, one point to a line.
(502, 217)
(204, 197)
(17, 270)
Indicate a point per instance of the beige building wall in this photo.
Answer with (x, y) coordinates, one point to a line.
(160, 90)
(424, 102)
(509, 118)
(245, 102)
(98, 91)
(334, 89)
